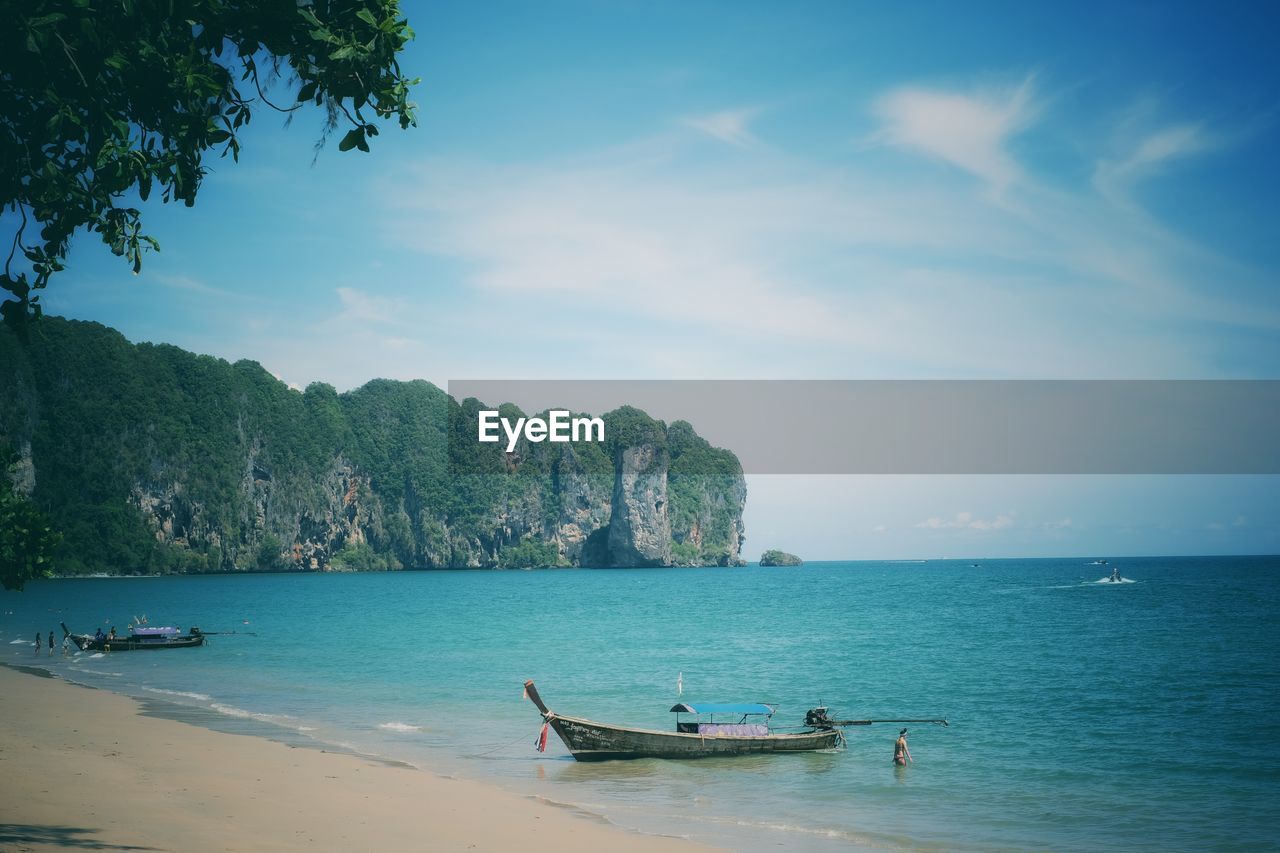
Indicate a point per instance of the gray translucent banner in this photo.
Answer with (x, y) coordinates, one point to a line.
(945, 426)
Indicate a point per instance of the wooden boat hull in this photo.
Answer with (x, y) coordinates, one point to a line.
(591, 741)
(135, 643)
(129, 644)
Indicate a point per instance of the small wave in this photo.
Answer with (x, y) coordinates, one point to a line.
(857, 839)
(185, 694)
(88, 671)
(96, 655)
(284, 721)
(233, 711)
(1110, 581)
(399, 727)
(18, 642)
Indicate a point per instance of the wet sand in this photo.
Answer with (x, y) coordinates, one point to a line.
(81, 768)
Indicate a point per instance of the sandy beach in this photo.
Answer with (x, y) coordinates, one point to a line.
(81, 768)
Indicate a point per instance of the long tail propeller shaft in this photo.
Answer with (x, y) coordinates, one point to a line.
(869, 722)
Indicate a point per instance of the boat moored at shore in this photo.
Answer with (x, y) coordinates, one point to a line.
(139, 638)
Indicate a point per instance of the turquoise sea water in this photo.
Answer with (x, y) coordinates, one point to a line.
(1084, 715)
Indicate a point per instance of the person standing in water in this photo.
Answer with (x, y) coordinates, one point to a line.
(50, 644)
(901, 755)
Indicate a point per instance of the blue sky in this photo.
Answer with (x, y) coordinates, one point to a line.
(844, 190)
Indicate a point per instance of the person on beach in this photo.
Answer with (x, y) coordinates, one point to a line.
(50, 644)
(901, 755)
(37, 642)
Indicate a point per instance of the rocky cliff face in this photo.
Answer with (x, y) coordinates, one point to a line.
(584, 508)
(152, 459)
(713, 532)
(774, 557)
(640, 530)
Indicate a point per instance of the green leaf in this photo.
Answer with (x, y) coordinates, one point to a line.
(353, 139)
(367, 16)
(36, 23)
(344, 52)
(307, 92)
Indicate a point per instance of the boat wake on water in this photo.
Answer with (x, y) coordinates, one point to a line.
(1112, 581)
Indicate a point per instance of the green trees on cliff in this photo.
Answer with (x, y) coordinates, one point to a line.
(151, 459)
(27, 536)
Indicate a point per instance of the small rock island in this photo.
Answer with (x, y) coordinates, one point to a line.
(775, 557)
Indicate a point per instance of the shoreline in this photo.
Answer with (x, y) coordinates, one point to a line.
(83, 767)
(745, 564)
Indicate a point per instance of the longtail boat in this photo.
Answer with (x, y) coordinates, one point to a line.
(139, 638)
(588, 740)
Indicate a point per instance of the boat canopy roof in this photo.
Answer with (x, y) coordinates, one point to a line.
(722, 708)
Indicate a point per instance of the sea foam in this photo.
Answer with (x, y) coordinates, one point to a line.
(203, 697)
(399, 727)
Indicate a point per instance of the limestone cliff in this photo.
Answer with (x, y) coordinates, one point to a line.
(639, 529)
(153, 460)
(774, 557)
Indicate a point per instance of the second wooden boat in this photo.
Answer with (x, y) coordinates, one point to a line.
(139, 638)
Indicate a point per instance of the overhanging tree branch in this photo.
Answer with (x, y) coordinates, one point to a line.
(99, 100)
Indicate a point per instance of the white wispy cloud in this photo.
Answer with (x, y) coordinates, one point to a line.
(771, 264)
(967, 130)
(1148, 156)
(190, 284)
(729, 126)
(293, 386)
(967, 521)
(361, 306)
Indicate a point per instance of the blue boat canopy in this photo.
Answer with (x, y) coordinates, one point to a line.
(722, 708)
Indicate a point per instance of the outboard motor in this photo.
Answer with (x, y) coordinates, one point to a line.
(818, 718)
